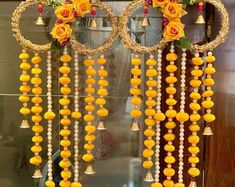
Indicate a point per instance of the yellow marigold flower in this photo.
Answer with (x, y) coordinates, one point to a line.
(49, 115)
(150, 103)
(148, 153)
(36, 149)
(36, 109)
(194, 127)
(61, 32)
(90, 90)
(151, 62)
(102, 92)
(194, 172)
(208, 93)
(37, 90)
(148, 164)
(169, 137)
(103, 83)
(89, 146)
(65, 58)
(207, 104)
(197, 73)
(136, 113)
(89, 117)
(65, 122)
(169, 172)
(65, 69)
(24, 77)
(76, 184)
(210, 70)
(90, 138)
(64, 163)
(64, 101)
(101, 61)
(171, 57)
(151, 83)
(179, 185)
(65, 143)
(195, 117)
(65, 183)
(149, 122)
(173, 31)
(193, 139)
(169, 159)
(91, 72)
(136, 71)
(171, 101)
(171, 79)
(36, 160)
(89, 99)
(182, 116)
(209, 118)
(50, 184)
(25, 88)
(159, 3)
(37, 139)
(173, 11)
(65, 112)
(171, 90)
(24, 98)
(195, 95)
(36, 60)
(156, 184)
(25, 66)
(136, 101)
(65, 90)
(102, 112)
(88, 62)
(82, 7)
(66, 174)
(65, 132)
(36, 118)
(194, 106)
(37, 128)
(23, 56)
(90, 108)
(169, 148)
(151, 72)
(194, 149)
(100, 101)
(151, 93)
(136, 81)
(149, 112)
(171, 113)
(102, 73)
(65, 13)
(208, 82)
(195, 83)
(64, 80)
(24, 110)
(171, 68)
(170, 125)
(197, 61)
(135, 91)
(36, 80)
(90, 129)
(149, 143)
(168, 183)
(210, 59)
(65, 154)
(149, 132)
(193, 160)
(135, 61)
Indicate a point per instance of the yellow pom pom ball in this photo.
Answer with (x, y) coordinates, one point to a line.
(195, 95)
(65, 112)
(36, 109)
(88, 62)
(151, 62)
(151, 83)
(210, 70)
(195, 83)
(135, 113)
(171, 101)
(37, 91)
(149, 122)
(91, 72)
(171, 90)
(66, 174)
(90, 129)
(77, 115)
(135, 91)
(36, 59)
(194, 149)
(170, 125)
(37, 128)
(193, 139)
(89, 117)
(150, 103)
(64, 183)
(195, 117)
(171, 68)
(101, 61)
(136, 101)
(76, 184)
(65, 69)
(149, 112)
(194, 128)
(179, 185)
(136, 71)
(25, 66)
(156, 185)
(89, 99)
(197, 61)
(149, 143)
(171, 113)
(64, 163)
(148, 153)
(194, 172)
(197, 73)
(50, 184)
(24, 77)
(24, 98)
(64, 80)
(36, 100)
(103, 83)
(151, 73)
(208, 82)
(65, 58)
(88, 157)
(36, 160)
(65, 143)
(25, 111)
(90, 138)
(149, 132)
(90, 108)
(24, 56)
(169, 148)
(151, 93)
(102, 112)
(169, 172)
(209, 118)
(168, 183)
(182, 116)
(36, 71)
(65, 122)
(169, 159)
(207, 93)
(100, 101)
(102, 73)
(169, 137)
(102, 92)
(89, 146)
(36, 149)
(36, 118)
(171, 57)
(135, 61)
(193, 160)
(25, 88)
(207, 104)
(136, 81)
(65, 132)
(210, 59)
(65, 90)
(194, 106)
(90, 81)
(65, 154)
(148, 164)
(171, 79)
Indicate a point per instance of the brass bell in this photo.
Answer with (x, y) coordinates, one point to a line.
(148, 177)
(40, 20)
(193, 184)
(93, 23)
(24, 124)
(37, 174)
(89, 170)
(101, 126)
(200, 19)
(145, 22)
(135, 126)
(207, 131)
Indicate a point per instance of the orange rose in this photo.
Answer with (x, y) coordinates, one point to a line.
(65, 13)
(159, 3)
(61, 32)
(173, 31)
(173, 11)
(82, 7)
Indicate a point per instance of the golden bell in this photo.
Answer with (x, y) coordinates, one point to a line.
(37, 174)
(207, 131)
(145, 22)
(24, 124)
(193, 184)
(101, 126)
(93, 23)
(40, 20)
(135, 126)
(89, 170)
(200, 19)
(148, 177)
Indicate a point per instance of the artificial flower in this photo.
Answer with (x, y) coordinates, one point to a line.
(82, 7)
(159, 3)
(65, 13)
(173, 11)
(173, 31)
(61, 32)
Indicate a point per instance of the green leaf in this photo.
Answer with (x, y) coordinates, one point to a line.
(54, 3)
(184, 43)
(55, 46)
(187, 2)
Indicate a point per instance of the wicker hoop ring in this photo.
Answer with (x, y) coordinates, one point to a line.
(123, 31)
(26, 44)
(223, 33)
(83, 49)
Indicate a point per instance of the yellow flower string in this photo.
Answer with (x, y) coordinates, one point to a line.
(76, 115)
(65, 121)
(89, 117)
(207, 104)
(49, 116)
(136, 92)
(36, 118)
(169, 172)
(24, 88)
(182, 117)
(102, 112)
(195, 116)
(151, 94)
(159, 117)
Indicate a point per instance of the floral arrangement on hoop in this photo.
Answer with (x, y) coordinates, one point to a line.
(66, 15)
(173, 28)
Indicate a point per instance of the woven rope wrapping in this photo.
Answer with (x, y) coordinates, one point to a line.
(223, 33)
(83, 49)
(26, 44)
(123, 31)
